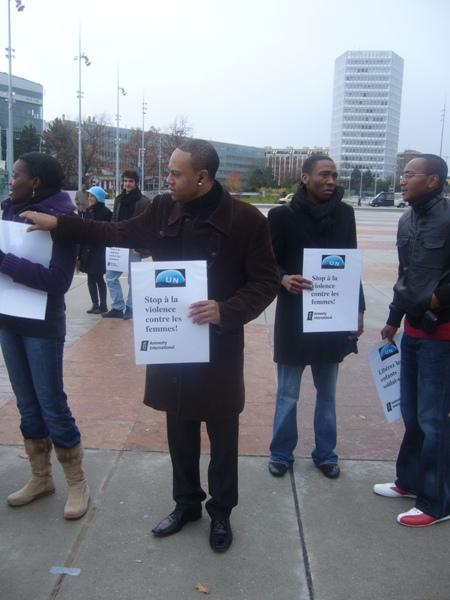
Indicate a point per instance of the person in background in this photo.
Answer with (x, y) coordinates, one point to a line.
(129, 203)
(422, 296)
(91, 257)
(33, 349)
(82, 200)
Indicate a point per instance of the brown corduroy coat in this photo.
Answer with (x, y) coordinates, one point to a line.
(242, 277)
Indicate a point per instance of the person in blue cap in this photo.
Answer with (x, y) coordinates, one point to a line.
(92, 258)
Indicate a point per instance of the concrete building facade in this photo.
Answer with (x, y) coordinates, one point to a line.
(27, 103)
(287, 163)
(366, 112)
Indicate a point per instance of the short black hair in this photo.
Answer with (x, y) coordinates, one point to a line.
(204, 155)
(45, 167)
(309, 163)
(436, 166)
(131, 174)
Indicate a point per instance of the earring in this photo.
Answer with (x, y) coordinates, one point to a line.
(34, 193)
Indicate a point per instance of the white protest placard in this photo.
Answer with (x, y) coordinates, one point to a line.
(16, 299)
(162, 293)
(117, 259)
(332, 304)
(384, 363)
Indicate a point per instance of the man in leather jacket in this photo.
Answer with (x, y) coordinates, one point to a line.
(422, 296)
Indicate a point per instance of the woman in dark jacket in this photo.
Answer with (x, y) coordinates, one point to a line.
(92, 258)
(33, 348)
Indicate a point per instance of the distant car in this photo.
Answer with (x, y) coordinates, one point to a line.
(383, 199)
(285, 199)
(398, 200)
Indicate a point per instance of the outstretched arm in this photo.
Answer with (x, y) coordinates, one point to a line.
(39, 220)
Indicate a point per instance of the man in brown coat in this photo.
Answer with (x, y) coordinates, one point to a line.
(199, 220)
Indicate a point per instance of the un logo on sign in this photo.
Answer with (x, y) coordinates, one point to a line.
(170, 278)
(333, 261)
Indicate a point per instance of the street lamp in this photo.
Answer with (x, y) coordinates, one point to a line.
(9, 56)
(142, 148)
(81, 57)
(443, 126)
(120, 90)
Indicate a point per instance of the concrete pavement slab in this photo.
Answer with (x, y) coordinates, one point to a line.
(134, 565)
(355, 547)
(118, 556)
(36, 537)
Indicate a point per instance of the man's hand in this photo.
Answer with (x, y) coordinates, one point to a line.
(296, 283)
(434, 305)
(39, 220)
(388, 332)
(205, 311)
(135, 253)
(356, 334)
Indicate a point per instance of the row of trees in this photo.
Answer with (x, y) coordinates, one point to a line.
(60, 139)
(365, 182)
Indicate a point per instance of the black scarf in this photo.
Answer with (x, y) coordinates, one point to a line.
(19, 207)
(128, 204)
(203, 206)
(319, 212)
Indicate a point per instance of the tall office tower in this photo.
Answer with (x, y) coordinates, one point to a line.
(366, 112)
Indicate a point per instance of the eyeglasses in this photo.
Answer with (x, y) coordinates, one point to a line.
(408, 174)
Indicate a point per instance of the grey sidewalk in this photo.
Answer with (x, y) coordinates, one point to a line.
(303, 537)
(299, 538)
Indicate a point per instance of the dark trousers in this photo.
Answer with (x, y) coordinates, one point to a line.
(423, 463)
(184, 445)
(97, 289)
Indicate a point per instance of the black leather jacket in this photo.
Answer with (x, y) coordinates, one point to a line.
(423, 243)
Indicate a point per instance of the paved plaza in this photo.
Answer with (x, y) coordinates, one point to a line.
(302, 537)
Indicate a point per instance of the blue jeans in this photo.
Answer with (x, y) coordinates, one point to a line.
(423, 463)
(115, 289)
(35, 369)
(285, 435)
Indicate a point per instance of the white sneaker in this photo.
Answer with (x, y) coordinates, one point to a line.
(390, 490)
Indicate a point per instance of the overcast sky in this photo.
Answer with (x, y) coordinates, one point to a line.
(256, 72)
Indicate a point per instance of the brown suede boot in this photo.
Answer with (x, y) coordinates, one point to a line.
(41, 482)
(78, 499)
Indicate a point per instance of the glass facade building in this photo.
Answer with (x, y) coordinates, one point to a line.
(239, 160)
(366, 112)
(27, 103)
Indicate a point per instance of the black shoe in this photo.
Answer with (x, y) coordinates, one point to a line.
(103, 309)
(176, 521)
(330, 470)
(93, 310)
(220, 536)
(113, 314)
(278, 469)
(128, 314)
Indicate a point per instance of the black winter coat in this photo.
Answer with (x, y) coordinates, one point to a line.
(293, 229)
(92, 258)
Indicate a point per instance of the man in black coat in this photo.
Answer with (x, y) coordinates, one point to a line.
(315, 218)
